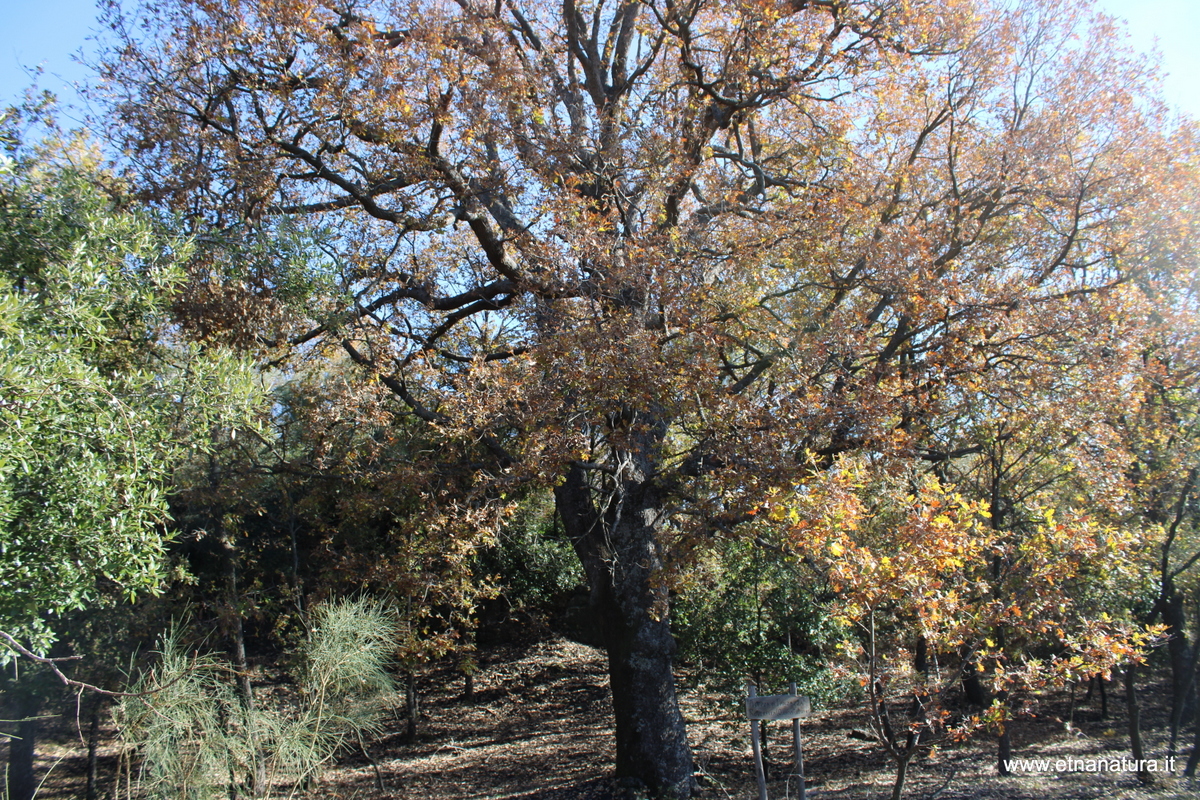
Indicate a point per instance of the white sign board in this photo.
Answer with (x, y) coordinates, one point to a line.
(777, 706)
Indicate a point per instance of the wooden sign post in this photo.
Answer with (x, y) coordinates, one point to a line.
(776, 706)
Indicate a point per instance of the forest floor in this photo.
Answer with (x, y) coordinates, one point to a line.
(539, 728)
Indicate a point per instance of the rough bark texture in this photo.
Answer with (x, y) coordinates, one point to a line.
(619, 548)
(901, 775)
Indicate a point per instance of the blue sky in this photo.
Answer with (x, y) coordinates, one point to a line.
(49, 32)
(46, 34)
(1174, 25)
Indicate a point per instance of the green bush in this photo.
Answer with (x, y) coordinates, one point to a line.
(749, 615)
(198, 739)
(533, 557)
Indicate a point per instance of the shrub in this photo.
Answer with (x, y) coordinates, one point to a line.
(197, 738)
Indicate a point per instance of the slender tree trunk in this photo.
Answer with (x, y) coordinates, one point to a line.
(1180, 655)
(901, 776)
(258, 773)
(916, 716)
(620, 552)
(411, 712)
(93, 742)
(1004, 750)
(1004, 741)
(237, 633)
(1194, 758)
(1185, 712)
(1135, 720)
(246, 690)
(362, 745)
(297, 585)
(998, 508)
(1189, 712)
(469, 666)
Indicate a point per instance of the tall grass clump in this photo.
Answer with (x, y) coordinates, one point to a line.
(345, 683)
(198, 738)
(187, 722)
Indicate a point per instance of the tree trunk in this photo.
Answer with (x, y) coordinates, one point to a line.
(93, 788)
(469, 666)
(916, 719)
(1004, 750)
(22, 781)
(1180, 653)
(621, 554)
(411, 711)
(1135, 720)
(973, 688)
(1004, 740)
(1194, 758)
(258, 769)
(901, 775)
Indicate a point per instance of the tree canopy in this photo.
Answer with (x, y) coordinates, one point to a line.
(96, 402)
(674, 259)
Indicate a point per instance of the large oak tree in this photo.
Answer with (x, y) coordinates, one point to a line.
(663, 255)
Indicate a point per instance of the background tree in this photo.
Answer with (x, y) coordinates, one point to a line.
(660, 256)
(97, 404)
(1160, 436)
(929, 592)
(326, 501)
(748, 612)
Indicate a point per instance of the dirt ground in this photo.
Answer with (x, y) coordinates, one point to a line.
(539, 728)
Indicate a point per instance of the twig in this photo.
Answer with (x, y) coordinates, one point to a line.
(46, 777)
(374, 764)
(53, 664)
(944, 786)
